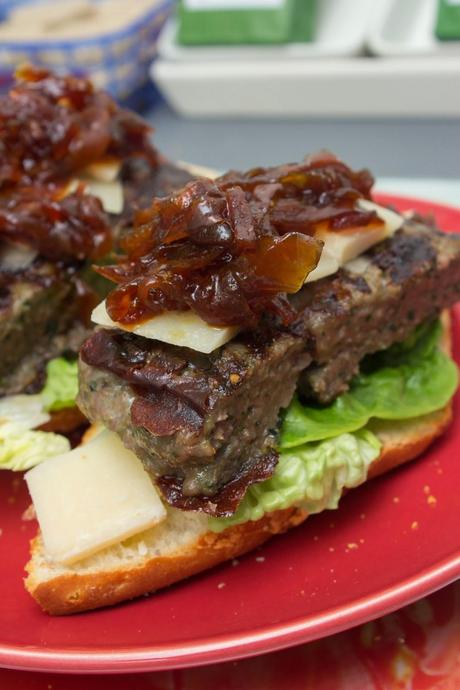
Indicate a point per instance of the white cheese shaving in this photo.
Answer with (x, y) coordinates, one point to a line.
(182, 328)
(91, 497)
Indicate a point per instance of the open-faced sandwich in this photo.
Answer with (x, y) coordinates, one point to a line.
(73, 167)
(273, 339)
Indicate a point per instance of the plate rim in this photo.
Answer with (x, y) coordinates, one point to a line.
(265, 640)
(236, 646)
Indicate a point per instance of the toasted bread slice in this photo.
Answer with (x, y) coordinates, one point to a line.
(182, 545)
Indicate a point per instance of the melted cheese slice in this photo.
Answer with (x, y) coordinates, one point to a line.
(186, 329)
(91, 497)
(182, 328)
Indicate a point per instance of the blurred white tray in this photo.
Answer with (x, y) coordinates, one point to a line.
(406, 27)
(352, 16)
(350, 87)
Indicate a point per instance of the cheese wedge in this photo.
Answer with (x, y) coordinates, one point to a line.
(100, 179)
(104, 171)
(327, 266)
(182, 328)
(348, 244)
(110, 193)
(91, 497)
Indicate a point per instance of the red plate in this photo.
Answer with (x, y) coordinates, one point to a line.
(392, 541)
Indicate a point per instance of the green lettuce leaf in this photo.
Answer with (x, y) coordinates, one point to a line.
(408, 380)
(313, 475)
(21, 448)
(61, 385)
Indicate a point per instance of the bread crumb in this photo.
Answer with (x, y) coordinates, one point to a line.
(426, 489)
(331, 549)
(302, 592)
(331, 570)
(414, 525)
(260, 559)
(395, 499)
(29, 513)
(431, 500)
(235, 378)
(361, 541)
(352, 545)
(439, 471)
(221, 585)
(1, 531)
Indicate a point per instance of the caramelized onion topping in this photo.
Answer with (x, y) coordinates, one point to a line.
(51, 127)
(74, 227)
(233, 248)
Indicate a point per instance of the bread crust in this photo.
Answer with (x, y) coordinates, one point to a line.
(74, 591)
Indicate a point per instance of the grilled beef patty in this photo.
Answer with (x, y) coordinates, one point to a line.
(376, 301)
(200, 420)
(200, 423)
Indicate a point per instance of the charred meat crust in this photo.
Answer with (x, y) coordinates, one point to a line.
(222, 409)
(226, 500)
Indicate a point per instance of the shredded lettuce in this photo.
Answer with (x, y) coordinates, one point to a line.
(61, 385)
(407, 380)
(313, 475)
(21, 448)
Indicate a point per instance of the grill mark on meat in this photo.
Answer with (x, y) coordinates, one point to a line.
(164, 413)
(404, 256)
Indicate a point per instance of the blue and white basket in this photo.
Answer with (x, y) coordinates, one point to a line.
(117, 62)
